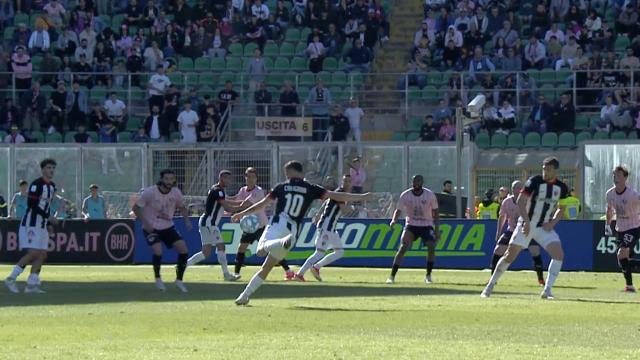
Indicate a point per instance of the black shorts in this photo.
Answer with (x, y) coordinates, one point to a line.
(251, 238)
(426, 233)
(168, 236)
(628, 239)
(505, 238)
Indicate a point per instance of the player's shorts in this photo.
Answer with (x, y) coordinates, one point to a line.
(426, 233)
(251, 238)
(273, 233)
(167, 236)
(33, 238)
(325, 240)
(628, 239)
(210, 235)
(536, 234)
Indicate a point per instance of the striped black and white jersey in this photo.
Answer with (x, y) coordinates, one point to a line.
(213, 209)
(331, 214)
(293, 198)
(41, 194)
(543, 198)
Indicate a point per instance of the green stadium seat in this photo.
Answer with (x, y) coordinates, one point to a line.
(330, 64)
(299, 64)
(218, 64)
(549, 139)
(38, 136)
(55, 137)
(633, 135)
(175, 136)
(228, 76)
(567, 139)
(202, 64)
(325, 76)
(275, 79)
(547, 76)
(292, 35)
(415, 123)
(300, 49)
(398, 136)
(583, 136)
(600, 135)
(622, 42)
(618, 135)
(339, 79)
(68, 137)
(185, 64)
(498, 141)
(249, 49)
(234, 64)
(483, 141)
(20, 18)
(413, 136)
(583, 121)
(235, 50)
(177, 79)
(287, 49)
(431, 93)
(8, 33)
(532, 140)
(281, 64)
(271, 50)
(307, 79)
(515, 140)
(434, 78)
(414, 93)
(125, 137)
(304, 34)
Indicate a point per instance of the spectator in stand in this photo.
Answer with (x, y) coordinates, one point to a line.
(81, 137)
(217, 49)
(22, 68)
(227, 97)
(338, 124)
(627, 22)
(540, 21)
(555, 31)
(534, 54)
(260, 10)
(289, 100)
(33, 105)
(255, 32)
(495, 21)
(509, 35)
(489, 120)
(9, 115)
(506, 118)
(66, 43)
(559, 9)
(449, 56)
(447, 131)
(7, 13)
(262, 98)
(76, 106)
(318, 102)
(21, 36)
(158, 84)
(454, 35)
(463, 21)
(85, 50)
(97, 116)
(257, 70)
(416, 74)
(57, 109)
(115, 109)
(14, 136)
(359, 58)
(442, 112)
(39, 40)
(107, 133)
(153, 56)
(188, 122)
(273, 30)
(429, 131)
(208, 124)
(622, 118)
(133, 14)
(592, 24)
(629, 61)
(479, 64)
(554, 50)
(425, 32)
(282, 15)
(569, 52)
(355, 115)
(563, 116)
(539, 117)
(172, 106)
(358, 175)
(316, 52)
(156, 126)
(149, 14)
(604, 121)
(333, 41)
(82, 72)
(141, 136)
(511, 62)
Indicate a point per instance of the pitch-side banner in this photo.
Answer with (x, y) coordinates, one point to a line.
(605, 250)
(76, 241)
(284, 126)
(464, 244)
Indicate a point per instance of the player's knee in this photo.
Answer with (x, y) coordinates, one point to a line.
(403, 248)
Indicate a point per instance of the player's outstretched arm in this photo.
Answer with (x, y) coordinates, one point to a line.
(139, 212)
(344, 197)
(231, 205)
(501, 220)
(316, 217)
(252, 209)
(185, 217)
(522, 206)
(394, 218)
(436, 223)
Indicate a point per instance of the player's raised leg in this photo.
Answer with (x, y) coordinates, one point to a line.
(534, 250)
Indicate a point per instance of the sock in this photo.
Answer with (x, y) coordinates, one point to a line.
(239, 262)
(394, 269)
(311, 260)
(501, 268)
(335, 255)
(253, 285)
(196, 258)
(181, 266)
(626, 271)
(554, 271)
(17, 270)
(494, 262)
(33, 280)
(430, 267)
(284, 265)
(222, 260)
(537, 265)
(156, 260)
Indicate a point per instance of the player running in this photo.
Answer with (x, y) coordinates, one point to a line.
(19, 202)
(421, 208)
(326, 236)
(35, 228)
(625, 203)
(509, 214)
(293, 198)
(217, 203)
(540, 211)
(155, 209)
(251, 194)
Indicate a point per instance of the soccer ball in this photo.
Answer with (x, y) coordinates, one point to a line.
(249, 224)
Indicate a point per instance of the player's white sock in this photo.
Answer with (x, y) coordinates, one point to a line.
(17, 270)
(335, 255)
(33, 280)
(196, 258)
(502, 266)
(222, 260)
(253, 285)
(311, 260)
(552, 274)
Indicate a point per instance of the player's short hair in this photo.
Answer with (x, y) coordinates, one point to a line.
(553, 161)
(623, 169)
(447, 182)
(224, 172)
(164, 172)
(293, 165)
(417, 176)
(47, 161)
(23, 182)
(251, 170)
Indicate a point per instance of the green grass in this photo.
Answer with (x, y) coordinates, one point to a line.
(100, 312)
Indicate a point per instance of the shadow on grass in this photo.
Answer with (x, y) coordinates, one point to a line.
(601, 301)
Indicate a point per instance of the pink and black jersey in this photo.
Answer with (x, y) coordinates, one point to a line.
(626, 206)
(159, 208)
(254, 195)
(509, 208)
(418, 208)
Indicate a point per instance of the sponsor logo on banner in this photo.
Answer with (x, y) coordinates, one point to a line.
(605, 250)
(284, 126)
(119, 242)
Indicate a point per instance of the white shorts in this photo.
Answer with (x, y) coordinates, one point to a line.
(210, 235)
(33, 238)
(542, 237)
(273, 234)
(327, 240)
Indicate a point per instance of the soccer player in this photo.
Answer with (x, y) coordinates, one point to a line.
(217, 203)
(35, 228)
(326, 236)
(293, 198)
(625, 203)
(540, 211)
(421, 208)
(19, 202)
(155, 209)
(93, 206)
(251, 194)
(509, 214)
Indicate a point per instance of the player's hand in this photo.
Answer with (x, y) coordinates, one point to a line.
(548, 226)
(53, 221)
(607, 230)
(147, 228)
(525, 228)
(86, 219)
(188, 225)
(236, 218)
(391, 223)
(51, 230)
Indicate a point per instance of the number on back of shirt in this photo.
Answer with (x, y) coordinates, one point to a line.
(294, 204)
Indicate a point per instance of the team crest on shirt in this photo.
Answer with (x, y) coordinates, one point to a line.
(556, 192)
(423, 202)
(220, 193)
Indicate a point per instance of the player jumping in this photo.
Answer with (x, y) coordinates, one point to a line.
(293, 198)
(217, 203)
(509, 214)
(625, 203)
(421, 208)
(540, 211)
(251, 194)
(35, 228)
(326, 236)
(155, 209)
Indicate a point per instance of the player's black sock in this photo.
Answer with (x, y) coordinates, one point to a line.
(626, 271)
(284, 265)
(239, 262)
(156, 260)
(181, 266)
(430, 267)
(537, 265)
(394, 269)
(494, 262)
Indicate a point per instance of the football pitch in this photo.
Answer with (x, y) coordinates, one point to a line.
(114, 312)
